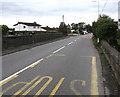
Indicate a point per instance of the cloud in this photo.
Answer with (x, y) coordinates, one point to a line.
(52, 7)
(85, 9)
(13, 8)
(44, 8)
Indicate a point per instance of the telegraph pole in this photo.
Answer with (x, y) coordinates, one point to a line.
(98, 40)
(63, 18)
(98, 8)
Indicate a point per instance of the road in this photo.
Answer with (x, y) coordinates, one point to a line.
(69, 66)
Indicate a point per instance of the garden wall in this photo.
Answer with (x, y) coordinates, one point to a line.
(16, 41)
(113, 57)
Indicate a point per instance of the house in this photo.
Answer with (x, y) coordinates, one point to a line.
(48, 29)
(23, 26)
(11, 31)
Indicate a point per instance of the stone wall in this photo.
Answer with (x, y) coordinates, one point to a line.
(113, 57)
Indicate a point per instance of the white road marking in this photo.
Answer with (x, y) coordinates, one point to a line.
(70, 43)
(58, 49)
(75, 40)
(20, 71)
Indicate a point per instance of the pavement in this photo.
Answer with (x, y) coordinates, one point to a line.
(69, 66)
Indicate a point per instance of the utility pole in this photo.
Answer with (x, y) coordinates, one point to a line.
(98, 8)
(98, 40)
(63, 18)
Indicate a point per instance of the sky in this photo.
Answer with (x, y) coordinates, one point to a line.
(50, 12)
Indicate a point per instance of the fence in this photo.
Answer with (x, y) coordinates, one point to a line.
(114, 58)
(17, 41)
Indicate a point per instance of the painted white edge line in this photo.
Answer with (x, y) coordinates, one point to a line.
(20, 71)
(58, 49)
(70, 43)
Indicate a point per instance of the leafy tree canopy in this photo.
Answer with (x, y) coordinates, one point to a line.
(4, 29)
(105, 27)
(63, 28)
(107, 31)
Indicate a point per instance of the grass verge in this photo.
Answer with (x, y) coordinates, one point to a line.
(111, 85)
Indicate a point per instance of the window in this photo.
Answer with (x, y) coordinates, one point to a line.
(24, 27)
(34, 27)
(38, 26)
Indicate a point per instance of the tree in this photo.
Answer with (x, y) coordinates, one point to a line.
(101, 20)
(94, 27)
(88, 28)
(107, 31)
(68, 28)
(63, 28)
(74, 26)
(81, 26)
(104, 19)
(78, 26)
(98, 26)
(118, 38)
(4, 29)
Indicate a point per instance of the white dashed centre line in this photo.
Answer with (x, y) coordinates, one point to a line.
(58, 49)
(70, 43)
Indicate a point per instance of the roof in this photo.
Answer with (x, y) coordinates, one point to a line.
(28, 24)
(48, 28)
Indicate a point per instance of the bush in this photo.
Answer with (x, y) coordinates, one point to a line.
(81, 33)
(118, 34)
(95, 41)
(76, 32)
(118, 38)
(118, 42)
(63, 28)
(4, 29)
(107, 31)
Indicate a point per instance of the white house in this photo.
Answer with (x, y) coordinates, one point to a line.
(23, 26)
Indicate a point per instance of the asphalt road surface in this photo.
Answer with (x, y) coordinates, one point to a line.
(68, 66)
